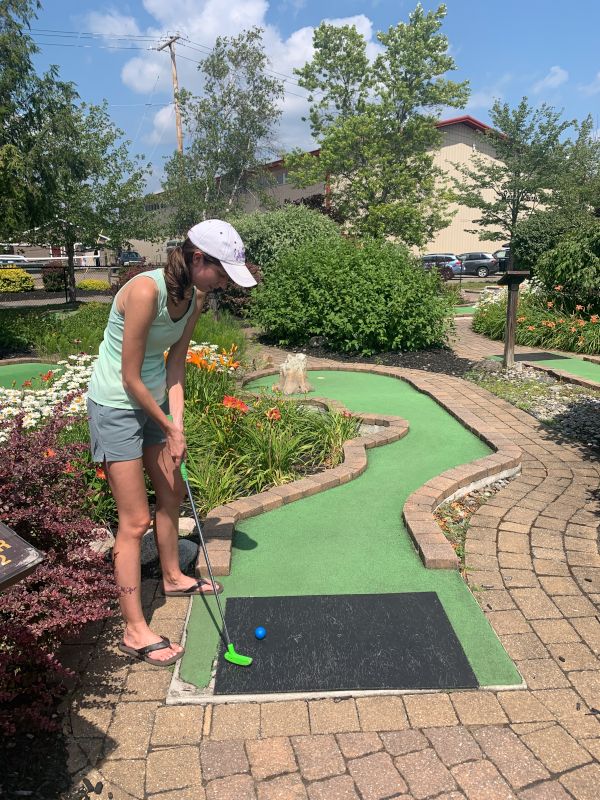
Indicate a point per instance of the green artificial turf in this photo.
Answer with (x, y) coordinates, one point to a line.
(14, 375)
(351, 539)
(465, 309)
(574, 366)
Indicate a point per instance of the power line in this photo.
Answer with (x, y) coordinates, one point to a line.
(90, 46)
(185, 42)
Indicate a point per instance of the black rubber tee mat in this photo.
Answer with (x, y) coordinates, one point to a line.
(343, 642)
(539, 357)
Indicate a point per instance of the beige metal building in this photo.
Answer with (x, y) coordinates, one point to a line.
(461, 137)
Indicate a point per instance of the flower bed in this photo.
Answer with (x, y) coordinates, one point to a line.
(36, 405)
(541, 322)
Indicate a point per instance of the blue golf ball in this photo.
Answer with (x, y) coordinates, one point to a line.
(260, 632)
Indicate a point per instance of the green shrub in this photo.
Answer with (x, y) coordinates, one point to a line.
(574, 266)
(222, 331)
(268, 235)
(15, 280)
(540, 324)
(54, 277)
(93, 284)
(364, 298)
(541, 232)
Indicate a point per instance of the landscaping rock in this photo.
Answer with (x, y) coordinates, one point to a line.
(188, 551)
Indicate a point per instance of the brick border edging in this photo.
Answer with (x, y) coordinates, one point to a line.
(562, 375)
(220, 522)
(27, 360)
(434, 549)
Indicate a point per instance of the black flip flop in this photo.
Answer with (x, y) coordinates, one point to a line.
(194, 589)
(141, 653)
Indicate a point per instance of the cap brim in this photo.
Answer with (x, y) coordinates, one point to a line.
(240, 274)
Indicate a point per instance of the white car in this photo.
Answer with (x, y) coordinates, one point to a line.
(8, 259)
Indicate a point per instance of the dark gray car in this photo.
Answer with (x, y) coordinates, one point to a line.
(478, 263)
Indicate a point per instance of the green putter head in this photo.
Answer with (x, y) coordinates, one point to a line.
(236, 658)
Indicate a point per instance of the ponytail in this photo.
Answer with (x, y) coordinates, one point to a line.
(178, 277)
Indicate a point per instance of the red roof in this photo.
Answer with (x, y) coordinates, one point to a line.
(464, 120)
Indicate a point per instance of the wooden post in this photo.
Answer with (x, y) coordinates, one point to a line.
(511, 279)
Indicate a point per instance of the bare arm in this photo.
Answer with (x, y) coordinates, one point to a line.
(176, 365)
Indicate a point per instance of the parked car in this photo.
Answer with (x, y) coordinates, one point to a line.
(502, 256)
(481, 264)
(129, 258)
(6, 259)
(447, 264)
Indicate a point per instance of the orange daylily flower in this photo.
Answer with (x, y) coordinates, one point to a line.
(235, 402)
(531, 327)
(550, 304)
(49, 453)
(100, 473)
(273, 413)
(579, 308)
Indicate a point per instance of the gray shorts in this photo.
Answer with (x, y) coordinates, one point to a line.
(121, 434)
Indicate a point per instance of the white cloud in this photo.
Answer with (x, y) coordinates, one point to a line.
(555, 77)
(112, 23)
(200, 22)
(593, 87)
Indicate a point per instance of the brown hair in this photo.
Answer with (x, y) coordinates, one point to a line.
(178, 276)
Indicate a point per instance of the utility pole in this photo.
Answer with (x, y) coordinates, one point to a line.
(171, 45)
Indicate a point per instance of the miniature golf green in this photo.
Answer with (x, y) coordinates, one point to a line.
(351, 539)
(574, 366)
(14, 375)
(465, 309)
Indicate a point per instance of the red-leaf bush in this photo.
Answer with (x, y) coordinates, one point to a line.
(43, 498)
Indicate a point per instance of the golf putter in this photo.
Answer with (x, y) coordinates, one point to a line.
(229, 654)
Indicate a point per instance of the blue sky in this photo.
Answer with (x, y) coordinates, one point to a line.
(505, 48)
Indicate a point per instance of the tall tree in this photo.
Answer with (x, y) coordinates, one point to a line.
(530, 152)
(94, 186)
(19, 103)
(378, 157)
(338, 77)
(229, 129)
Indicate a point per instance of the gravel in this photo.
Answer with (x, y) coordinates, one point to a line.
(571, 412)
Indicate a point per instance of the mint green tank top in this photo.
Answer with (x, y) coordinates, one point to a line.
(106, 383)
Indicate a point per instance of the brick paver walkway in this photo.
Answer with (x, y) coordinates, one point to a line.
(533, 546)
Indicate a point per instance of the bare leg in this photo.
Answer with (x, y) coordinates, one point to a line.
(126, 480)
(169, 488)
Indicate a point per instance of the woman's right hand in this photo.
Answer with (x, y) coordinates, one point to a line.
(176, 444)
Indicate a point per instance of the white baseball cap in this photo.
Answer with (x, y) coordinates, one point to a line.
(220, 240)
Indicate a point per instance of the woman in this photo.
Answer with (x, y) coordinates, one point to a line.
(135, 411)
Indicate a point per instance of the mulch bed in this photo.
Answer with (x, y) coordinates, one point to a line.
(439, 359)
